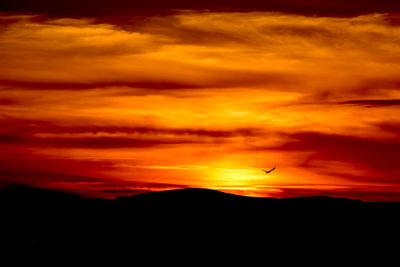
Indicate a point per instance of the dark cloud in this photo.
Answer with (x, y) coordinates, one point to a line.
(18, 125)
(80, 176)
(184, 33)
(155, 130)
(92, 142)
(373, 102)
(374, 153)
(355, 90)
(378, 158)
(226, 79)
(107, 142)
(309, 31)
(10, 138)
(84, 86)
(38, 170)
(370, 85)
(18, 175)
(17, 130)
(104, 7)
(7, 101)
(391, 127)
(30, 132)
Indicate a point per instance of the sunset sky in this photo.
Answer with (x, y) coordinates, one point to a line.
(117, 98)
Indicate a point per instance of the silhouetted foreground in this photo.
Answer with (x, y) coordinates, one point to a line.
(37, 218)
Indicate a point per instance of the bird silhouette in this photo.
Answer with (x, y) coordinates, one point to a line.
(270, 170)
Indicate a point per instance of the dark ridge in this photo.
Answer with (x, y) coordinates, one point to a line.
(27, 193)
(187, 194)
(180, 220)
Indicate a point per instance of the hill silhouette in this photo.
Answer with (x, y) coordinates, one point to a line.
(37, 218)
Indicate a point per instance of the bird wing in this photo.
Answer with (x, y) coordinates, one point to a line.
(269, 170)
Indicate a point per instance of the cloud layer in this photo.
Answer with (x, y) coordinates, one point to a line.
(202, 98)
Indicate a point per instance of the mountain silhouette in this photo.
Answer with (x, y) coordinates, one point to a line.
(38, 218)
(189, 194)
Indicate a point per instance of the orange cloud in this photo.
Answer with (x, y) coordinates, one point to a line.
(202, 99)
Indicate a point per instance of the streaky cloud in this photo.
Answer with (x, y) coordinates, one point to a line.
(373, 102)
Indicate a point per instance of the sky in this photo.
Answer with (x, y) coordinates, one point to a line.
(117, 98)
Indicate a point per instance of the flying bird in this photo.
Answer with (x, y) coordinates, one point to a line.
(270, 170)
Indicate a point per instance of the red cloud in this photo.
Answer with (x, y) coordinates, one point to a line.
(378, 157)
